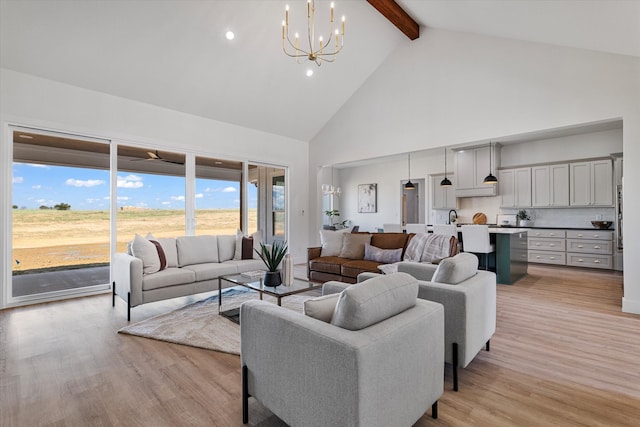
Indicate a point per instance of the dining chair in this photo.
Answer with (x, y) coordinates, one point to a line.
(476, 239)
(446, 229)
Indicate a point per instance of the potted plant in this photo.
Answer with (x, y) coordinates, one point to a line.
(524, 219)
(272, 257)
(331, 213)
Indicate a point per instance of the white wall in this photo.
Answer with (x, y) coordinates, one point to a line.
(32, 101)
(449, 88)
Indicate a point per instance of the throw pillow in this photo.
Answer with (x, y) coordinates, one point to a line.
(169, 247)
(353, 245)
(146, 251)
(161, 255)
(257, 238)
(331, 241)
(456, 269)
(375, 300)
(247, 248)
(321, 308)
(238, 251)
(387, 256)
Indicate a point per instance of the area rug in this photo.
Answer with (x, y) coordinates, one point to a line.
(199, 325)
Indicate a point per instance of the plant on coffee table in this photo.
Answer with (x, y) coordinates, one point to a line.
(272, 257)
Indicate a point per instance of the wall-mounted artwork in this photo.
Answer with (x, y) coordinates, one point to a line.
(367, 198)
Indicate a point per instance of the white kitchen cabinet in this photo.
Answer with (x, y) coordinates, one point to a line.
(443, 197)
(550, 185)
(591, 183)
(472, 165)
(515, 187)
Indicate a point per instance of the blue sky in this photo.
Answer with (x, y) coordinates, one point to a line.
(88, 189)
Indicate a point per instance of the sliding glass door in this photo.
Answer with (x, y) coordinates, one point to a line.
(60, 214)
(266, 191)
(218, 196)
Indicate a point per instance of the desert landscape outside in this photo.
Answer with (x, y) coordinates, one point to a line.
(53, 239)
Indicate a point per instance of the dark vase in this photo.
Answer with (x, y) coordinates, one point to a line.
(272, 279)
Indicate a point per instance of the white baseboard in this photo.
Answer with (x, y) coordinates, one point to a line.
(630, 306)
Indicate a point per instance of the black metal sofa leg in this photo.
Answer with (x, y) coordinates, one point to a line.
(487, 345)
(245, 396)
(455, 366)
(128, 306)
(434, 410)
(113, 294)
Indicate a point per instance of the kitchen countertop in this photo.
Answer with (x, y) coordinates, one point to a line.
(495, 230)
(495, 226)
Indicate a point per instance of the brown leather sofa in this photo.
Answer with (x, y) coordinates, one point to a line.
(323, 269)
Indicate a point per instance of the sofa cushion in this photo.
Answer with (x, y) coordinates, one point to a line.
(385, 256)
(353, 267)
(321, 308)
(328, 264)
(226, 247)
(456, 269)
(211, 270)
(375, 300)
(168, 277)
(331, 241)
(146, 251)
(170, 250)
(353, 245)
(246, 264)
(197, 249)
(390, 240)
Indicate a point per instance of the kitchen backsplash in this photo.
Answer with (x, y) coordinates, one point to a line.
(574, 217)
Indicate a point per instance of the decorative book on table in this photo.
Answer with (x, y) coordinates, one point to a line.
(253, 274)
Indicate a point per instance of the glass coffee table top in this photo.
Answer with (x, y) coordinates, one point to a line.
(256, 283)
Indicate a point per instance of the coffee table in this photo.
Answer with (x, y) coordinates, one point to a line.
(256, 283)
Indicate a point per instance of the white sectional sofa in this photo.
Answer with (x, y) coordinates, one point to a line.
(192, 265)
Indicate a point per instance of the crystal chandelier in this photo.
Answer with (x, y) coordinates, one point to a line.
(319, 50)
(330, 190)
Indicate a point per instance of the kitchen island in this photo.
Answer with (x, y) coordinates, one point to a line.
(511, 260)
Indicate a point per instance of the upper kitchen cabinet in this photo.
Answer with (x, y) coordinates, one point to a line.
(515, 187)
(591, 183)
(443, 197)
(472, 165)
(550, 185)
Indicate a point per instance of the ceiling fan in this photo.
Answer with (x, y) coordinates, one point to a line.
(156, 156)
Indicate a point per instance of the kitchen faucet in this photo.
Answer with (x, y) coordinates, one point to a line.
(455, 216)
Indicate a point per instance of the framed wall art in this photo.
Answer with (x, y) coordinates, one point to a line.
(367, 198)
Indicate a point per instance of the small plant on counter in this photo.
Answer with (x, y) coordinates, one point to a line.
(523, 215)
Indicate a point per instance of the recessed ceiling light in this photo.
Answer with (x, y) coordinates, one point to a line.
(309, 72)
(229, 35)
(25, 136)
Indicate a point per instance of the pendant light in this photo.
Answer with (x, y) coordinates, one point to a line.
(409, 185)
(445, 182)
(490, 179)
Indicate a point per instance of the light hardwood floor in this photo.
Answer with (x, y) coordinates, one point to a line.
(563, 354)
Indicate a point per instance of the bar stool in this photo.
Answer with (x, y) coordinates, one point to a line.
(392, 228)
(446, 229)
(475, 239)
(416, 228)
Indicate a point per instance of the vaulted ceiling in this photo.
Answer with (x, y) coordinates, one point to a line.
(174, 53)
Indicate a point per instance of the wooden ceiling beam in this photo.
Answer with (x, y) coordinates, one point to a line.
(397, 16)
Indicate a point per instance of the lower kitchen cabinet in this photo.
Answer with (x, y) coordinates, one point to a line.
(577, 248)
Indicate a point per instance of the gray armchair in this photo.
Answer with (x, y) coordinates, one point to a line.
(378, 366)
(469, 300)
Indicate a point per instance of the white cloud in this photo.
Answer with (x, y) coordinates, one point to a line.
(84, 183)
(122, 198)
(107, 197)
(18, 180)
(229, 190)
(166, 203)
(199, 196)
(36, 187)
(130, 181)
(178, 198)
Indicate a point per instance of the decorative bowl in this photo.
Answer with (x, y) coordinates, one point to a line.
(602, 225)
